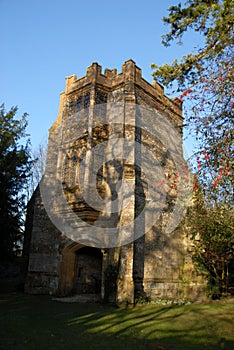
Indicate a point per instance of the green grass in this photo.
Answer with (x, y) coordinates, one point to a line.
(38, 322)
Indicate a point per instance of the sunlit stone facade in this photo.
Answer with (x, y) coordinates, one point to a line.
(156, 264)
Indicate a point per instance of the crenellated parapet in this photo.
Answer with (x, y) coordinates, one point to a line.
(128, 86)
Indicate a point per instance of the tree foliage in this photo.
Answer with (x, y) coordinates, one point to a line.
(14, 172)
(212, 230)
(204, 81)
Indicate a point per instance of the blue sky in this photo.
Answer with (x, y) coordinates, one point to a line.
(44, 41)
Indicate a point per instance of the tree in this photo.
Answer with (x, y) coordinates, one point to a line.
(14, 172)
(212, 231)
(204, 79)
(38, 167)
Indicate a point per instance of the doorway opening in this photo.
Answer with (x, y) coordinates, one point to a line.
(88, 271)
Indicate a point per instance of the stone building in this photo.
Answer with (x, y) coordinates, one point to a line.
(151, 262)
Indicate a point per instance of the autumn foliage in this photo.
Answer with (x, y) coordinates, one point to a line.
(203, 80)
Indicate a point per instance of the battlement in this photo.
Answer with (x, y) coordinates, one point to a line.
(129, 81)
(110, 78)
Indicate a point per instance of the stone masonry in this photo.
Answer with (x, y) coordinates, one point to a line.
(156, 264)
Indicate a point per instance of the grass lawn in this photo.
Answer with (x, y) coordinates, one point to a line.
(38, 322)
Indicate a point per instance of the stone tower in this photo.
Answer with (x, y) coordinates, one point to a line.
(120, 251)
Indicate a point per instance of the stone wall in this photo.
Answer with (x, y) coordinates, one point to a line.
(156, 265)
(44, 257)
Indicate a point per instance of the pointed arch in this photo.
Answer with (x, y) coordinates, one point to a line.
(67, 267)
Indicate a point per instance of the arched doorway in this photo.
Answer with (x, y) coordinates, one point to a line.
(80, 270)
(88, 271)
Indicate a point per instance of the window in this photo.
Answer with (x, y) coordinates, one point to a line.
(87, 100)
(101, 97)
(100, 107)
(79, 104)
(73, 173)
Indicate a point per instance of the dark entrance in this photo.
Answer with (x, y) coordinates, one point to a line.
(88, 271)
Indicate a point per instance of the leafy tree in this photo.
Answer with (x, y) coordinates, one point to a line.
(212, 231)
(14, 171)
(204, 81)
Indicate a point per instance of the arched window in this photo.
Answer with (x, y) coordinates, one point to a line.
(73, 173)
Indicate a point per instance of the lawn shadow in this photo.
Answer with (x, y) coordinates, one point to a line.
(37, 322)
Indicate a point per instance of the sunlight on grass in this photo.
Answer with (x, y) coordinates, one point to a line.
(201, 324)
(29, 320)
